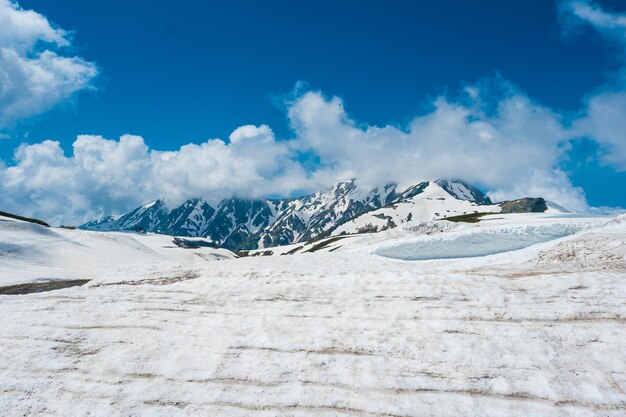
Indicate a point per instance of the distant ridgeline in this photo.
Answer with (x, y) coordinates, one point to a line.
(240, 224)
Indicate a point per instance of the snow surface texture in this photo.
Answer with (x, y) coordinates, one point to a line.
(534, 332)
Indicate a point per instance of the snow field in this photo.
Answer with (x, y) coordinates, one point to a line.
(535, 332)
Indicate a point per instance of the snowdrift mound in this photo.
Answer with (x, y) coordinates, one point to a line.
(8, 226)
(476, 242)
(16, 237)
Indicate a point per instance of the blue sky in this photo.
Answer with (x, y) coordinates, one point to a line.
(176, 74)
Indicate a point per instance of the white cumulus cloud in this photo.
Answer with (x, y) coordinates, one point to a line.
(603, 117)
(34, 75)
(605, 122)
(577, 12)
(512, 150)
(492, 135)
(104, 176)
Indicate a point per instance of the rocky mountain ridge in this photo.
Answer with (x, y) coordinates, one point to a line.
(240, 224)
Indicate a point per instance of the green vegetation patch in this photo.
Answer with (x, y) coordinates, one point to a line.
(294, 250)
(325, 243)
(466, 218)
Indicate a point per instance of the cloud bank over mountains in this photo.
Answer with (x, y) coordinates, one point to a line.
(491, 134)
(512, 152)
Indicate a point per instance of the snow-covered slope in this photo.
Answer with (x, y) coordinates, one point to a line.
(249, 224)
(333, 330)
(319, 214)
(439, 199)
(144, 218)
(31, 252)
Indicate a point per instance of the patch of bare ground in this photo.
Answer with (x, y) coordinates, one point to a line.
(154, 281)
(35, 287)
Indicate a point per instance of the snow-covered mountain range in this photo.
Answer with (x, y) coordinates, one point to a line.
(346, 208)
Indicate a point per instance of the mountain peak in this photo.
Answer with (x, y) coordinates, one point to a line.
(154, 203)
(346, 207)
(343, 187)
(463, 191)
